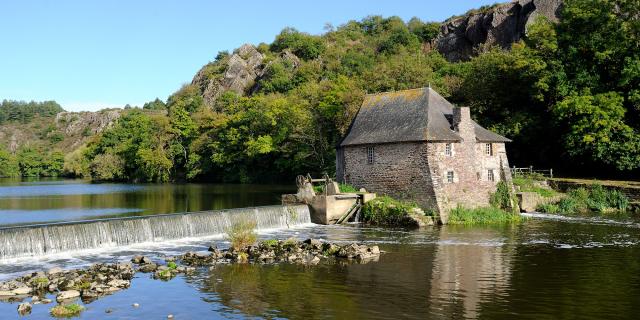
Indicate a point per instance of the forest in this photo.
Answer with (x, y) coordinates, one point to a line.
(568, 96)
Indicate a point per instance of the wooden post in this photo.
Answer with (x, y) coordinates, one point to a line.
(530, 169)
(551, 173)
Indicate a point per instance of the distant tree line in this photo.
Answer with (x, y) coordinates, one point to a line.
(21, 111)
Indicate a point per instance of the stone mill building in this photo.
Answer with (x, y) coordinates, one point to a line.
(414, 144)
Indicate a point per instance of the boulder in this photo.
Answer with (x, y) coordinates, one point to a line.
(21, 290)
(24, 308)
(66, 295)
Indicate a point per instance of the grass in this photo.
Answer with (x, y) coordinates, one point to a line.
(65, 311)
(528, 184)
(484, 215)
(386, 211)
(40, 281)
(82, 285)
(271, 243)
(242, 234)
(344, 188)
(347, 188)
(593, 199)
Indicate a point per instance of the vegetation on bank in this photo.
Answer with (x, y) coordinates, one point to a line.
(593, 199)
(386, 211)
(503, 209)
(484, 215)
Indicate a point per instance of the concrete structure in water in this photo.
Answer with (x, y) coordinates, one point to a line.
(414, 144)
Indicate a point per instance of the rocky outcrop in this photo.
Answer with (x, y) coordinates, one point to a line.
(240, 72)
(497, 26)
(239, 75)
(86, 123)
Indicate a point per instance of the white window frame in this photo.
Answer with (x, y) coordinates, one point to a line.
(371, 155)
(448, 149)
(491, 175)
(451, 176)
(488, 149)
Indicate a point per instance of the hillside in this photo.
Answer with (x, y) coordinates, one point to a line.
(560, 80)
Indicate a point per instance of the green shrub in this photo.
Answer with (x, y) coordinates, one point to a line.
(568, 204)
(485, 215)
(387, 211)
(502, 198)
(241, 234)
(595, 198)
(68, 310)
(618, 200)
(548, 208)
(172, 265)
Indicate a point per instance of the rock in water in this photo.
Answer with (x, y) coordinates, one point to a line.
(24, 308)
(69, 294)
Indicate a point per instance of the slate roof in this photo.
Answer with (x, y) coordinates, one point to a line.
(408, 116)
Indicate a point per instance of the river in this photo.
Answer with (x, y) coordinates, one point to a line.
(548, 267)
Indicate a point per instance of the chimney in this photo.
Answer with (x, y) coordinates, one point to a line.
(462, 123)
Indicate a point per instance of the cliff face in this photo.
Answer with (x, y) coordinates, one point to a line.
(500, 25)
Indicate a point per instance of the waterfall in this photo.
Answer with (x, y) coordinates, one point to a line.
(37, 240)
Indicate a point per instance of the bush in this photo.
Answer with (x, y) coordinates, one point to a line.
(387, 211)
(172, 265)
(68, 310)
(595, 198)
(241, 234)
(502, 198)
(549, 208)
(485, 215)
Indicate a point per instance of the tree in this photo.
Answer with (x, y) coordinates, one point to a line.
(8, 164)
(302, 44)
(107, 167)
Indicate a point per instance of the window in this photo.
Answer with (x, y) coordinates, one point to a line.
(488, 149)
(370, 155)
(449, 176)
(448, 149)
(490, 175)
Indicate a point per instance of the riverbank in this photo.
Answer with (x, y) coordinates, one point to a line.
(99, 280)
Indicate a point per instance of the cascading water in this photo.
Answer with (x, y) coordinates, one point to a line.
(37, 240)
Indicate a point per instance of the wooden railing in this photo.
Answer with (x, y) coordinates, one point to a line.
(529, 170)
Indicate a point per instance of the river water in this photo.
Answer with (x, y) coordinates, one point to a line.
(548, 267)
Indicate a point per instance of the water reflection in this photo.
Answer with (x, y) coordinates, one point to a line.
(47, 202)
(471, 265)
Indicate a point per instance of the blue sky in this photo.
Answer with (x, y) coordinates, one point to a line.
(89, 55)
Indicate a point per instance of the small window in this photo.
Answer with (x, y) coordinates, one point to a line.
(490, 175)
(450, 176)
(370, 155)
(488, 149)
(448, 149)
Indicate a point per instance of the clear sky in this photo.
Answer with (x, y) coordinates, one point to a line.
(89, 55)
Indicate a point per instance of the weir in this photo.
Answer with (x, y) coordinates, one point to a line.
(37, 240)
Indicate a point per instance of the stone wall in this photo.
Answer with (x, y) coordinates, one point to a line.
(399, 170)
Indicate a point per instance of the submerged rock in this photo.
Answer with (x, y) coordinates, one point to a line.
(24, 308)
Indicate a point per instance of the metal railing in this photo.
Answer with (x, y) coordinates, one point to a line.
(548, 173)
